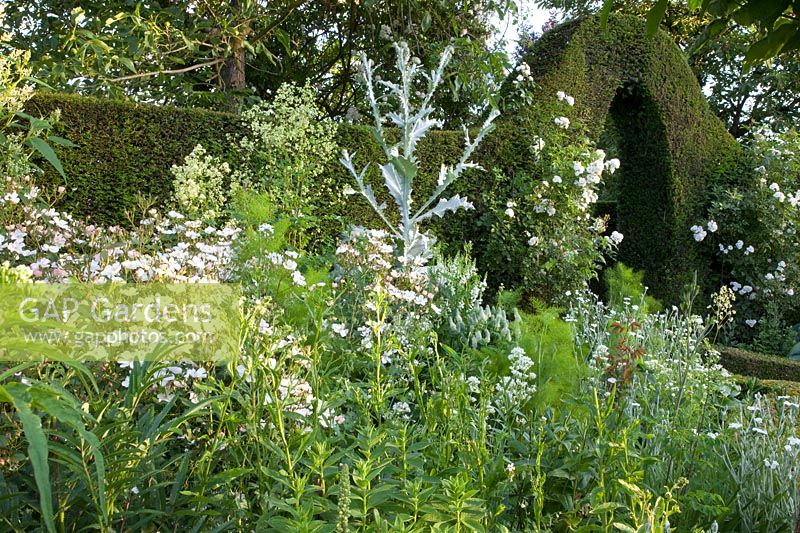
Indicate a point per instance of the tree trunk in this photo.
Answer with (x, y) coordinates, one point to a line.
(232, 73)
(233, 77)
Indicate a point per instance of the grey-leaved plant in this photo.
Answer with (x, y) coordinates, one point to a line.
(401, 164)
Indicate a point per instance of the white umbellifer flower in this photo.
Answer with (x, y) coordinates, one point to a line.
(562, 122)
(712, 226)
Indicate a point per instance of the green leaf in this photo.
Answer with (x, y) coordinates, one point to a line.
(655, 16)
(769, 46)
(37, 451)
(61, 141)
(624, 527)
(426, 21)
(605, 12)
(47, 152)
(128, 64)
(605, 507)
(764, 11)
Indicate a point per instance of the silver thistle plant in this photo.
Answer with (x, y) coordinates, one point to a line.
(401, 164)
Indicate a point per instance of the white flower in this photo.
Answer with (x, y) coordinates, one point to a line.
(339, 329)
(739, 244)
(196, 373)
(746, 290)
(562, 122)
(135, 490)
(759, 431)
(751, 322)
(771, 465)
(735, 425)
(509, 212)
(749, 250)
(533, 241)
(612, 380)
(616, 237)
(700, 235)
(564, 97)
(612, 165)
(557, 179)
(712, 226)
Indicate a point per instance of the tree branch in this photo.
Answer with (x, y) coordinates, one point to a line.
(184, 70)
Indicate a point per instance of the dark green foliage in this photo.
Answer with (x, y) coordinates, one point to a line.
(124, 150)
(769, 367)
(669, 143)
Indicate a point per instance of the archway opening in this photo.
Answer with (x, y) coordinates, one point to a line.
(636, 199)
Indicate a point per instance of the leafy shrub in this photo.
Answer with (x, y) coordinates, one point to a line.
(752, 230)
(284, 151)
(199, 184)
(543, 237)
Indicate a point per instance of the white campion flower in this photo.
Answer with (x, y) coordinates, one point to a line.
(562, 122)
(749, 250)
(557, 179)
(712, 226)
(616, 237)
(751, 322)
(509, 212)
(533, 241)
(739, 244)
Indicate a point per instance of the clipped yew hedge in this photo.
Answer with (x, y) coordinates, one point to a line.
(671, 146)
(670, 143)
(762, 366)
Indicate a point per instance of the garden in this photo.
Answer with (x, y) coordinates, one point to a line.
(359, 266)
